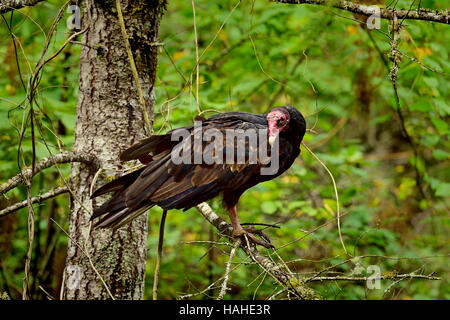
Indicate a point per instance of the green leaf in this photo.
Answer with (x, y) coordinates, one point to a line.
(440, 154)
(443, 190)
(421, 105)
(432, 82)
(440, 125)
(269, 207)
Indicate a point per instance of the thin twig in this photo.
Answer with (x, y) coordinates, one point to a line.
(50, 194)
(224, 288)
(335, 192)
(395, 57)
(49, 296)
(26, 280)
(66, 157)
(255, 51)
(85, 252)
(382, 277)
(147, 122)
(159, 255)
(197, 67)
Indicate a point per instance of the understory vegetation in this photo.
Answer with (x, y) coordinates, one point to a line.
(390, 164)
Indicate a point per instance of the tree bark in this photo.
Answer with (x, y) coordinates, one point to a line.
(109, 118)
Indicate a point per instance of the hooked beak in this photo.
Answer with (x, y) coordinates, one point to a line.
(272, 140)
(274, 131)
(273, 135)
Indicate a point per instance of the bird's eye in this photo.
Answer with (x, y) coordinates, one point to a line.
(281, 122)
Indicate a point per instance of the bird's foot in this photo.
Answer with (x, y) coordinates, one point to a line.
(249, 234)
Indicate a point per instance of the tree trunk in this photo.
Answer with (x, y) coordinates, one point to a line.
(109, 119)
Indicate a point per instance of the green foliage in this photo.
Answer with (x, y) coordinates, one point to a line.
(267, 54)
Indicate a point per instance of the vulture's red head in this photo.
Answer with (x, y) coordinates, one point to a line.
(280, 120)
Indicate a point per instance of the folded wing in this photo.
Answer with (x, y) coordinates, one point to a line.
(176, 186)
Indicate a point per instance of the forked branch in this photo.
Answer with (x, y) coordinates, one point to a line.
(37, 199)
(384, 13)
(65, 157)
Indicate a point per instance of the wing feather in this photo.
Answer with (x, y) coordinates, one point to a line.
(181, 186)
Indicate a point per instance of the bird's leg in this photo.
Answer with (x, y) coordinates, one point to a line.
(238, 231)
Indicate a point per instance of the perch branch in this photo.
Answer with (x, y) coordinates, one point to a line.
(50, 194)
(294, 285)
(384, 13)
(66, 157)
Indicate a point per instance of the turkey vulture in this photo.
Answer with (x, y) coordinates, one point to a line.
(182, 185)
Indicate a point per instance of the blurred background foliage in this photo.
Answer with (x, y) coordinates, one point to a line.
(317, 59)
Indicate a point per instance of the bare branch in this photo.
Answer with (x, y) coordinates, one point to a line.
(421, 14)
(51, 194)
(383, 277)
(45, 163)
(294, 285)
(224, 288)
(8, 5)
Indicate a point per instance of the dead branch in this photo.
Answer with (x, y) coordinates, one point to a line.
(42, 197)
(383, 277)
(8, 5)
(288, 280)
(224, 288)
(384, 13)
(65, 157)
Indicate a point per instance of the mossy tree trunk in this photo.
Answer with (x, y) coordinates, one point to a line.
(109, 118)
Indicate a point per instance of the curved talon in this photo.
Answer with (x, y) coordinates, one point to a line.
(248, 232)
(259, 233)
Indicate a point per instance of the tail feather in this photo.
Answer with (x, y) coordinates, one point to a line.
(118, 184)
(132, 192)
(190, 197)
(113, 205)
(149, 181)
(116, 211)
(149, 146)
(120, 218)
(109, 219)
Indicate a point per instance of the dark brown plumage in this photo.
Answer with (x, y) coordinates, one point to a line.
(181, 186)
